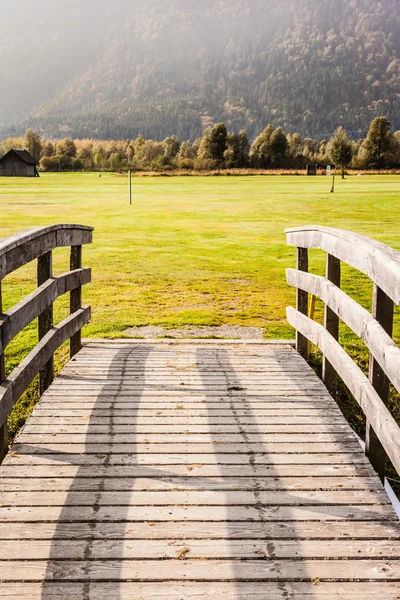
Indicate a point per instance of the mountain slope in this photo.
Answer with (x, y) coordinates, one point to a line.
(137, 66)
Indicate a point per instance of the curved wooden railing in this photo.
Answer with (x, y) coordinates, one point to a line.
(382, 265)
(15, 252)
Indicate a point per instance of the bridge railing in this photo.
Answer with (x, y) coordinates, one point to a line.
(15, 252)
(382, 265)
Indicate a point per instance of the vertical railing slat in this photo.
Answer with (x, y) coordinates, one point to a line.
(383, 311)
(45, 321)
(76, 299)
(4, 428)
(331, 321)
(302, 300)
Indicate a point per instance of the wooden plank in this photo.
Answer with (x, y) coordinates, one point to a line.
(76, 299)
(43, 457)
(378, 415)
(195, 438)
(182, 483)
(331, 322)
(201, 591)
(45, 320)
(201, 549)
(382, 311)
(234, 530)
(3, 427)
(19, 249)
(199, 498)
(320, 512)
(351, 449)
(177, 400)
(151, 458)
(210, 570)
(175, 419)
(131, 428)
(43, 414)
(381, 263)
(195, 470)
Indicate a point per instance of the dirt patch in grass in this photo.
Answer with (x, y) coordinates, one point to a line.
(232, 332)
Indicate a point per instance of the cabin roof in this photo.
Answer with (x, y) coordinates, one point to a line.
(23, 155)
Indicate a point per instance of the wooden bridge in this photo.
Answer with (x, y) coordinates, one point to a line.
(202, 470)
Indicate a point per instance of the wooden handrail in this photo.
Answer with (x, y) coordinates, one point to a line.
(382, 265)
(15, 252)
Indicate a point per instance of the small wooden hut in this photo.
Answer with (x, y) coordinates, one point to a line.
(312, 169)
(18, 163)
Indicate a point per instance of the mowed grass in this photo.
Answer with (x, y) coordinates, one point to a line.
(194, 250)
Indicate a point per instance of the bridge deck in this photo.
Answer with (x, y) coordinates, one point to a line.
(199, 471)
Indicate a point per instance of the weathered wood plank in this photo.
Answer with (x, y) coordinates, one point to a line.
(201, 549)
(379, 262)
(195, 498)
(125, 514)
(382, 311)
(188, 428)
(185, 438)
(195, 470)
(201, 591)
(210, 570)
(24, 247)
(179, 530)
(182, 483)
(352, 450)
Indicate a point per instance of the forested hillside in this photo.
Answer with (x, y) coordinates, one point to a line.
(113, 70)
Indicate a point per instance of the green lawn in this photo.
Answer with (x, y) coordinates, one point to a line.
(193, 250)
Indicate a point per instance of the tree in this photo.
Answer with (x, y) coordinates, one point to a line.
(172, 146)
(260, 151)
(236, 155)
(218, 142)
(340, 149)
(379, 148)
(278, 147)
(66, 148)
(33, 143)
(48, 149)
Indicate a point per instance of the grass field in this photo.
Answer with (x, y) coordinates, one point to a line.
(194, 250)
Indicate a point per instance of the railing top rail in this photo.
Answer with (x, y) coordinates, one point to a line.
(20, 249)
(380, 262)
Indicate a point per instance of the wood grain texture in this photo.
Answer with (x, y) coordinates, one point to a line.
(24, 247)
(381, 263)
(147, 491)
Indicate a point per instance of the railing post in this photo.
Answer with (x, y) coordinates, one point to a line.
(3, 428)
(302, 301)
(382, 310)
(45, 321)
(331, 321)
(76, 299)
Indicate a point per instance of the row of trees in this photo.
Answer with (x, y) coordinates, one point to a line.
(217, 149)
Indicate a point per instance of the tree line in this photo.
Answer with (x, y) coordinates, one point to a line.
(217, 149)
